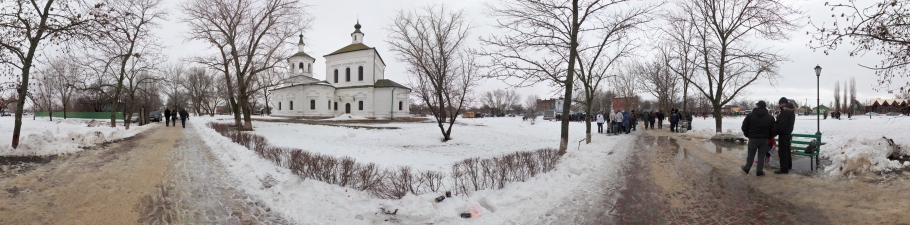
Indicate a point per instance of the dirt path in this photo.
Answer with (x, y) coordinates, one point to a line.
(863, 200)
(162, 176)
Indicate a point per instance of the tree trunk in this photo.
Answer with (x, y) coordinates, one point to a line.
(570, 77)
(588, 122)
(718, 115)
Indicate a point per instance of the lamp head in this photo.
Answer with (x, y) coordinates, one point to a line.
(818, 71)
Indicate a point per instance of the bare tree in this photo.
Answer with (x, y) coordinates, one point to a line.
(541, 43)
(679, 55)
(249, 36)
(431, 42)
(65, 72)
(853, 104)
(724, 29)
(657, 79)
(140, 75)
(625, 83)
(126, 38)
(837, 96)
(877, 27)
(28, 25)
(531, 105)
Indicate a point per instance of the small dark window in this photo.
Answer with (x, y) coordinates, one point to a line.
(336, 106)
(347, 75)
(336, 75)
(301, 66)
(312, 104)
(308, 67)
(329, 106)
(360, 73)
(360, 105)
(291, 106)
(279, 105)
(400, 106)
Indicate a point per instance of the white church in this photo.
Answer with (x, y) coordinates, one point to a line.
(355, 84)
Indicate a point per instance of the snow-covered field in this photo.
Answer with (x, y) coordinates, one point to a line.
(61, 136)
(853, 145)
(419, 145)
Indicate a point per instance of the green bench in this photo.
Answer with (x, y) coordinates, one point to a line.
(799, 147)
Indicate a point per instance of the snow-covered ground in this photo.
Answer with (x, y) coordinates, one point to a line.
(43, 137)
(419, 145)
(853, 145)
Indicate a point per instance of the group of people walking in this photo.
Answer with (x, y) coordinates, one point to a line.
(172, 116)
(760, 128)
(626, 121)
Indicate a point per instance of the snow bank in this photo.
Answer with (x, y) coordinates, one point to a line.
(314, 202)
(864, 155)
(61, 136)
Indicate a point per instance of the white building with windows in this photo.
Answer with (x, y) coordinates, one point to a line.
(355, 84)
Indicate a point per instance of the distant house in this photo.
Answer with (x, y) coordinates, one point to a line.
(729, 109)
(550, 104)
(884, 106)
(624, 104)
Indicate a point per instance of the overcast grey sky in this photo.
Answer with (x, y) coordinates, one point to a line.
(333, 22)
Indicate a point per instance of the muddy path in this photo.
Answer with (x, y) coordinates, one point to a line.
(668, 184)
(868, 199)
(162, 176)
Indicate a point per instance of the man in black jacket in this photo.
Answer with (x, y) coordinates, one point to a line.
(183, 117)
(167, 117)
(785, 120)
(660, 120)
(758, 126)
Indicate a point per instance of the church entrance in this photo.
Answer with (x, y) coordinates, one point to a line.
(347, 108)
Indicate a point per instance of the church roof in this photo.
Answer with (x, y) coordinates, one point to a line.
(388, 83)
(302, 54)
(351, 48)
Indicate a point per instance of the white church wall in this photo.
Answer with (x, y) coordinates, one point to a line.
(353, 96)
(352, 60)
(386, 104)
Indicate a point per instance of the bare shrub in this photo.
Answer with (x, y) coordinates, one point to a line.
(468, 175)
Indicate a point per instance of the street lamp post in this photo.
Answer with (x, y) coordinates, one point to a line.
(818, 74)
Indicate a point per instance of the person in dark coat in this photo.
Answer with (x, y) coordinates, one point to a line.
(649, 123)
(167, 117)
(634, 120)
(660, 120)
(674, 121)
(174, 117)
(626, 119)
(183, 117)
(759, 126)
(785, 120)
(689, 118)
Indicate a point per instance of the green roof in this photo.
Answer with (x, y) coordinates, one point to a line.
(302, 54)
(350, 48)
(388, 83)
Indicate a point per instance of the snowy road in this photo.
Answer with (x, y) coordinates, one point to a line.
(163, 176)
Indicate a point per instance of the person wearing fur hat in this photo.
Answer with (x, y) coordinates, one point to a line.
(785, 120)
(759, 126)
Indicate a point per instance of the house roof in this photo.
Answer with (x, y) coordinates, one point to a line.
(388, 83)
(318, 82)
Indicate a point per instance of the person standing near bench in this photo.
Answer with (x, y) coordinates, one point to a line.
(759, 126)
(785, 120)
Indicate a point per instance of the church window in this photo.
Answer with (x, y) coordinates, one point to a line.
(336, 75)
(309, 68)
(347, 74)
(360, 105)
(291, 105)
(279, 105)
(301, 66)
(400, 106)
(329, 106)
(312, 104)
(336, 106)
(360, 73)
